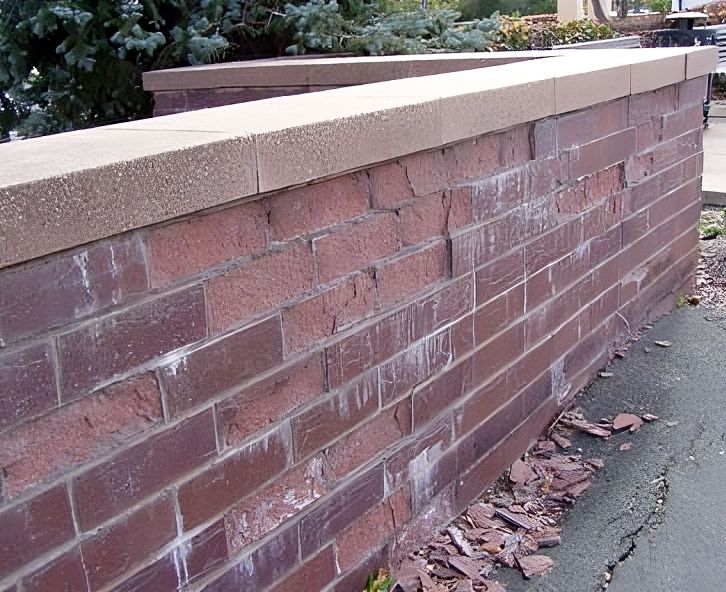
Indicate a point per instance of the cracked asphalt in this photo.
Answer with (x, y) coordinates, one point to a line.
(654, 518)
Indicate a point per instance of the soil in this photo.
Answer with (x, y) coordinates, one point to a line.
(711, 269)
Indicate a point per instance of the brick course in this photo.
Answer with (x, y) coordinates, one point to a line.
(288, 392)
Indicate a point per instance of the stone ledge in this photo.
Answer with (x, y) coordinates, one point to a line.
(65, 190)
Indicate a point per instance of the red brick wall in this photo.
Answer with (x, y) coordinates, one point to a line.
(293, 391)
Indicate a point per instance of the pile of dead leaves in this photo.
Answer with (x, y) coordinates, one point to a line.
(516, 517)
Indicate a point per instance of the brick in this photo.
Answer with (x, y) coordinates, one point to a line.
(481, 404)
(591, 351)
(302, 211)
(357, 578)
(120, 342)
(270, 399)
(340, 509)
(600, 154)
(642, 107)
(499, 193)
(314, 574)
(692, 91)
(371, 439)
(545, 137)
(553, 245)
(142, 470)
(603, 216)
(426, 172)
(569, 333)
(196, 377)
(429, 443)
(606, 245)
(259, 514)
(118, 548)
(662, 156)
(486, 242)
(682, 121)
(401, 278)
(78, 433)
(27, 381)
(593, 123)
(315, 319)
(545, 176)
(34, 527)
(473, 159)
(538, 288)
(498, 313)
(199, 243)
(260, 285)
(203, 552)
(402, 374)
(498, 353)
(212, 492)
(389, 185)
(526, 370)
(674, 202)
(434, 397)
(161, 576)
(424, 219)
(262, 567)
(439, 309)
(515, 146)
(370, 531)
(648, 135)
(605, 306)
(62, 288)
(459, 204)
(174, 101)
(571, 268)
(327, 420)
(462, 337)
(65, 572)
(355, 246)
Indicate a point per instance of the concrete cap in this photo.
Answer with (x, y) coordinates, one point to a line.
(65, 190)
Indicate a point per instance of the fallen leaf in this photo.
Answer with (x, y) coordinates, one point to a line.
(627, 420)
(663, 343)
(521, 472)
(626, 446)
(535, 565)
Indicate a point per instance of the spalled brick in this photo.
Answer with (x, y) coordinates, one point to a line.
(401, 278)
(327, 420)
(355, 246)
(200, 375)
(33, 528)
(459, 201)
(593, 123)
(304, 210)
(270, 399)
(317, 318)
(118, 343)
(515, 146)
(260, 285)
(595, 156)
(399, 376)
(642, 107)
(340, 509)
(473, 159)
(544, 137)
(314, 574)
(78, 433)
(426, 172)
(368, 441)
(69, 286)
(65, 572)
(436, 396)
(263, 566)
(252, 518)
(116, 549)
(424, 219)
(389, 185)
(198, 243)
(140, 471)
(205, 551)
(219, 487)
(27, 381)
(370, 531)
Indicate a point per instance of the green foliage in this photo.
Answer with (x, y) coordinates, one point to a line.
(517, 34)
(475, 9)
(658, 5)
(320, 26)
(380, 582)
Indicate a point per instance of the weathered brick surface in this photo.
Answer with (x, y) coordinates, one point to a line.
(288, 393)
(133, 474)
(78, 432)
(28, 384)
(239, 294)
(202, 242)
(123, 341)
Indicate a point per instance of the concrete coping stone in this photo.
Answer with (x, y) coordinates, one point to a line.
(65, 190)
